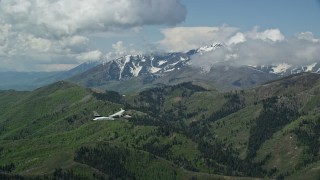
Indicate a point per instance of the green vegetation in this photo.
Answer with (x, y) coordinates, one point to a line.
(276, 113)
(123, 163)
(182, 131)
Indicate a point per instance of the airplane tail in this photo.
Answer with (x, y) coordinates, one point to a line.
(96, 114)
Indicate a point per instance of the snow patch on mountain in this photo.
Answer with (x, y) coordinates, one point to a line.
(210, 48)
(123, 64)
(184, 59)
(310, 67)
(252, 66)
(280, 68)
(171, 65)
(136, 70)
(154, 70)
(169, 70)
(161, 62)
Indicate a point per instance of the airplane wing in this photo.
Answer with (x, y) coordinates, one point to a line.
(117, 114)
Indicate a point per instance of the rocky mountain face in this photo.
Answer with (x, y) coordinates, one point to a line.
(150, 67)
(136, 65)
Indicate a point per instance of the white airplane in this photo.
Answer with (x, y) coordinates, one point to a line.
(111, 117)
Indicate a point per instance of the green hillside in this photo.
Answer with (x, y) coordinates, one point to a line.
(181, 131)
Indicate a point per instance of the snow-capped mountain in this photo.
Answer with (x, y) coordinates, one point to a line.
(130, 66)
(139, 71)
(285, 69)
(135, 65)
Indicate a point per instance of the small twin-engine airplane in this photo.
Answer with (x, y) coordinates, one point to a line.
(110, 117)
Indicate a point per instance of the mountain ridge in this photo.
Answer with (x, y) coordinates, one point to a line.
(183, 129)
(161, 68)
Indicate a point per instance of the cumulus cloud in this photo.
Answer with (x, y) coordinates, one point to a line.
(269, 34)
(62, 28)
(309, 36)
(60, 17)
(4, 32)
(76, 40)
(186, 38)
(30, 42)
(119, 49)
(263, 48)
(237, 38)
(209, 59)
(90, 56)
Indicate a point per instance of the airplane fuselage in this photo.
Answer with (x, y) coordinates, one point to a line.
(103, 118)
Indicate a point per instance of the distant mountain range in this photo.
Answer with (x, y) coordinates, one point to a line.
(33, 80)
(136, 72)
(284, 69)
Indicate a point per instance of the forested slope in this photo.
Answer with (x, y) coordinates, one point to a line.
(176, 132)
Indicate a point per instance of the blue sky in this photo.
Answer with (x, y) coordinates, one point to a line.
(58, 35)
(290, 16)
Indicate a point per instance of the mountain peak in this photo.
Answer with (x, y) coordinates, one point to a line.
(135, 65)
(209, 48)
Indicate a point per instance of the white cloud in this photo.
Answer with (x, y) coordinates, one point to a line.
(4, 32)
(186, 38)
(45, 30)
(263, 48)
(61, 17)
(273, 35)
(207, 60)
(89, 56)
(309, 36)
(36, 43)
(74, 41)
(236, 39)
(119, 49)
